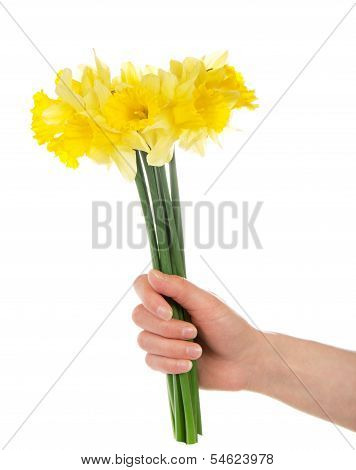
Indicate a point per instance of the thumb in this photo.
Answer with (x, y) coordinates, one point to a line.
(197, 301)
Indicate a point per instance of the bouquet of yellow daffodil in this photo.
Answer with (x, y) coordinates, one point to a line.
(134, 120)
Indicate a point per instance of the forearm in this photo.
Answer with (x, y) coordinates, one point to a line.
(313, 377)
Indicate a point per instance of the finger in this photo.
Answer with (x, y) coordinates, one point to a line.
(154, 302)
(169, 329)
(168, 365)
(184, 292)
(172, 348)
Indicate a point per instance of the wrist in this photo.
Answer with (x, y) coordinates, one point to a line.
(265, 369)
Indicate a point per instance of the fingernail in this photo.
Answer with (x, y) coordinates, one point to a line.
(165, 313)
(158, 274)
(194, 351)
(184, 366)
(189, 332)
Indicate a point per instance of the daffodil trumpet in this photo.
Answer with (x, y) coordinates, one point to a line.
(135, 120)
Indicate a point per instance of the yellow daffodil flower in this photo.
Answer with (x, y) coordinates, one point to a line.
(134, 107)
(108, 119)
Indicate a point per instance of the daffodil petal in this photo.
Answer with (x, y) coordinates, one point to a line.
(65, 91)
(216, 60)
(161, 152)
(125, 160)
(103, 71)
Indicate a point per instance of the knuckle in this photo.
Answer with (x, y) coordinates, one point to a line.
(136, 313)
(165, 328)
(173, 349)
(216, 297)
(142, 339)
(218, 307)
(139, 280)
(175, 369)
(180, 284)
(215, 301)
(180, 281)
(148, 360)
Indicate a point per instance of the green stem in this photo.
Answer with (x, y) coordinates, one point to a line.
(164, 227)
(189, 402)
(176, 253)
(166, 266)
(194, 382)
(158, 209)
(147, 212)
(176, 204)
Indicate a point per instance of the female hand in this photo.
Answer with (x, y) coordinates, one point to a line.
(225, 347)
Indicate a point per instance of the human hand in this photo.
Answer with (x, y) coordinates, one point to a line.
(231, 355)
(226, 346)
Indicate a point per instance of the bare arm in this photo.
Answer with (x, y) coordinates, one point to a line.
(310, 376)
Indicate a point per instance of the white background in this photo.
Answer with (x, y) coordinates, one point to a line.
(55, 289)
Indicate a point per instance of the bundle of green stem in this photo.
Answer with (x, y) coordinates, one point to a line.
(161, 208)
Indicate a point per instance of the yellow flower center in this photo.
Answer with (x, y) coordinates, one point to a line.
(140, 113)
(132, 108)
